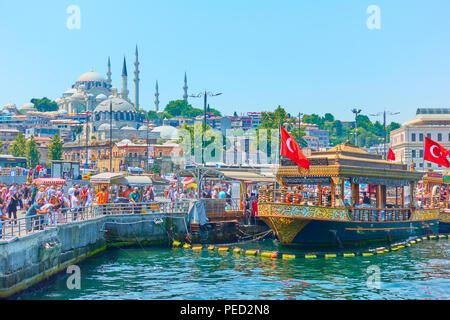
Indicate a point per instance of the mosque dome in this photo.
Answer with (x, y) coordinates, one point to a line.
(128, 128)
(167, 132)
(101, 97)
(105, 127)
(118, 105)
(91, 76)
(29, 106)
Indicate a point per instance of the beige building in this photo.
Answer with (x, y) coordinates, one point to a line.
(408, 141)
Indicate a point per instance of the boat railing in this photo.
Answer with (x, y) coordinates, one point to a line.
(303, 197)
(379, 214)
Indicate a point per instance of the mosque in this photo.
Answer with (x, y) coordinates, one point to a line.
(95, 94)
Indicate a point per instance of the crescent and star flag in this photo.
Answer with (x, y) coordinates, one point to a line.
(434, 152)
(290, 149)
(391, 155)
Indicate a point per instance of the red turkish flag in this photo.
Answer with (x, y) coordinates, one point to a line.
(290, 149)
(434, 152)
(391, 155)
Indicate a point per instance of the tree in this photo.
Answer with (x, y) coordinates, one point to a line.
(178, 108)
(152, 114)
(44, 104)
(32, 152)
(55, 150)
(18, 147)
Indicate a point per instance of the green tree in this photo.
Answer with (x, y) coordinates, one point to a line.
(18, 147)
(44, 104)
(55, 148)
(152, 114)
(32, 152)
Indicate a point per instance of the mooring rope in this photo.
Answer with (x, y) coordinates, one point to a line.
(263, 234)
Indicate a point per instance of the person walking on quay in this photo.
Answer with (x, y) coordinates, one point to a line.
(75, 204)
(34, 192)
(134, 198)
(12, 204)
(102, 198)
(32, 215)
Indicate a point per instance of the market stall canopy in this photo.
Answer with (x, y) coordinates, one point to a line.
(50, 181)
(106, 177)
(200, 172)
(248, 176)
(159, 180)
(134, 181)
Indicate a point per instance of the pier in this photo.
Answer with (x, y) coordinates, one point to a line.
(33, 249)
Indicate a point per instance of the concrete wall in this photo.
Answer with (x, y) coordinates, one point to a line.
(29, 260)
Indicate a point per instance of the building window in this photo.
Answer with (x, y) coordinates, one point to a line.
(429, 135)
(413, 137)
(413, 153)
(421, 153)
(439, 136)
(420, 136)
(421, 165)
(429, 165)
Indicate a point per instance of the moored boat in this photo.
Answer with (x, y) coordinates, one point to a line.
(348, 197)
(434, 191)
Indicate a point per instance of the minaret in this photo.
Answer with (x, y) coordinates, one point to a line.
(156, 97)
(124, 92)
(185, 88)
(136, 80)
(108, 74)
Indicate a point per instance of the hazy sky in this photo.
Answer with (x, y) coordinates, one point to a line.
(307, 56)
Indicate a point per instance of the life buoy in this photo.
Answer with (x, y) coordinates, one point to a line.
(291, 194)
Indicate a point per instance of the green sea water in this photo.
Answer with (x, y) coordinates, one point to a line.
(417, 272)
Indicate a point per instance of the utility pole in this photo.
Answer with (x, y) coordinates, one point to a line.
(205, 102)
(110, 136)
(384, 127)
(356, 112)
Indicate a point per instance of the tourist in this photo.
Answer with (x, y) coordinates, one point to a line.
(56, 204)
(75, 204)
(31, 215)
(134, 198)
(12, 204)
(222, 194)
(366, 199)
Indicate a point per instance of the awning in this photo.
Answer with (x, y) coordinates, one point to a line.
(106, 177)
(135, 181)
(50, 181)
(247, 176)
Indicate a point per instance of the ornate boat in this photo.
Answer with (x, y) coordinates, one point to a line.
(435, 192)
(322, 206)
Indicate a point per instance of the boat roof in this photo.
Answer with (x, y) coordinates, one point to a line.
(350, 161)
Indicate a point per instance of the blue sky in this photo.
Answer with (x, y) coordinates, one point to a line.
(307, 56)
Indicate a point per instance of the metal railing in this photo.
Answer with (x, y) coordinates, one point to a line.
(378, 215)
(31, 224)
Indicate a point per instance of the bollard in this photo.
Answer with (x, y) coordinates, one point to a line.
(349, 254)
(176, 244)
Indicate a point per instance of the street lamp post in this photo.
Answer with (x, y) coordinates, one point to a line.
(148, 153)
(110, 136)
(384, 127)
(204, 95)
(356, 112)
